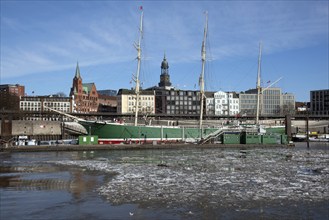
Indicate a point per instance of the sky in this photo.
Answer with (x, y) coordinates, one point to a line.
(42, 41)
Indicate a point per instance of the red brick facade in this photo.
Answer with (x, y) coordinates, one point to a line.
(84, 94)
(10, 95)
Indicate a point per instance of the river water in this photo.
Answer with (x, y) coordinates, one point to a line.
(189, 183)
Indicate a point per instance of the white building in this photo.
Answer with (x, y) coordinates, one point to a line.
(37, 103)
(223, 103)
(126, 100)
(272, 102)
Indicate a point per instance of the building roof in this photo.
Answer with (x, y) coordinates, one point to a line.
(87, 87)
(106, 97)
(160, 88)
(320, 90)
(132, 92)
(44, 97)
(209, 94)
(235, 94)
(167, 88)
(9, 85)
(155, 88)
(109, 92)
(251, 91)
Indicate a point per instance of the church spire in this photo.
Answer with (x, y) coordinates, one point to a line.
(164, 77)
(164, 66)
(77, 71)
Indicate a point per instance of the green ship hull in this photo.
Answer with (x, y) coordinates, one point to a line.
(115, 133)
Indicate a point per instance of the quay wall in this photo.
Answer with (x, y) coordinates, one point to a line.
(33, 128)
(27, 128)
(62, 147)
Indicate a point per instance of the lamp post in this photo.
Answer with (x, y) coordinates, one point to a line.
(307, 128)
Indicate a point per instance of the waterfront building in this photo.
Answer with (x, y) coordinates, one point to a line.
(107, 100)
(37, 103)
(107, 103)
(233, 103)
(272, 102)
(248, 102)
(85, 95)
(288, 105)
(126, 102)
(9, 96)
(183, 102)
(108, 92)
(16, 89)
(164, 76)
(162, 90)
(319, 102)
(222, 103)
(209, 104)
(169, 100)
(175, 101)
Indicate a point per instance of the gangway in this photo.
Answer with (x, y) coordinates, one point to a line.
(210, 136)
(219, 132)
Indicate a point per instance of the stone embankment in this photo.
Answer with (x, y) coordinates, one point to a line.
(33, 128)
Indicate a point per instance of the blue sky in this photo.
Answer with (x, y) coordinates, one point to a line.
(41, 42)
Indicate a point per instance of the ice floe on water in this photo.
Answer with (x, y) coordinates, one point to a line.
(214, 176)
(90, 165)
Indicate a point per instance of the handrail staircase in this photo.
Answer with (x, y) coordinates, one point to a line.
(211, 136)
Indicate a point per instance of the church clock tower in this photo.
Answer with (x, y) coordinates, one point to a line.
(164, 77)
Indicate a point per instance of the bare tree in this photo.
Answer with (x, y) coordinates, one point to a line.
(61, 94)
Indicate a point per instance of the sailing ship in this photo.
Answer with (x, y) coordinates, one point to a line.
(115, 133)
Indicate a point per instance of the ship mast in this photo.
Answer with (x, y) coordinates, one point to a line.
(136, 77)
(258, 84)
(203, 59)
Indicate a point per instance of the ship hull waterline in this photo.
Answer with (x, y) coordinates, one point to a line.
(115, 133)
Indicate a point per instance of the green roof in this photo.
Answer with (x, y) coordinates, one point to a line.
(87, 87)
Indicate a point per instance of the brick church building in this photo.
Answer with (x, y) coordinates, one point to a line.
(85, 95)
